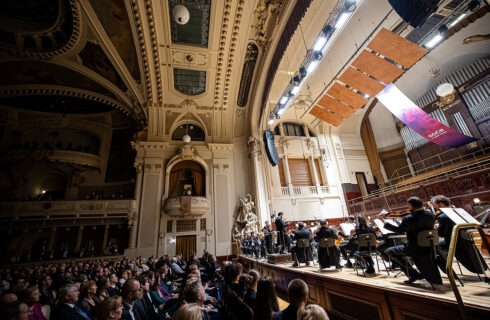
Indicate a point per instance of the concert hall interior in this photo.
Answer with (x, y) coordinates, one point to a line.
(341, 149)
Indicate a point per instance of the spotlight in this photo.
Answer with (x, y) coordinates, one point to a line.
(320, 43)
(295, 90)
(312, 66)
(435, 40)
(474, 5)
(281, 111)
(283, 100)
(342, 20)
(442, 29)
(476, 201)
(296, 80)
(271, 121)
(318, 55)
(457, 20)
(302, 72)
(350, 5)
(328, 31)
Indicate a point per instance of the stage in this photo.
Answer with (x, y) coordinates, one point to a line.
(346, 295)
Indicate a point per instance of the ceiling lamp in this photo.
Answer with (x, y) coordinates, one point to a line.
(186, 138)
(350, 5)
(444, 89)
(180, 14)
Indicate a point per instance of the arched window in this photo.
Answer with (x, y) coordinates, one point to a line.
(292, 129)
(195, 132)
(187, 178)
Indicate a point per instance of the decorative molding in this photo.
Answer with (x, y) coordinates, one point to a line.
(231, 52)
(220, 147)
(154, 47)
(265, 19)
(74, 37)
(149, 146)
(184, 58)
(144, 52)
(29, 90)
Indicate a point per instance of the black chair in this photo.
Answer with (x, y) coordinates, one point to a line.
(326, 243)
(429, 238)
(367, 240)
(468, 235)
(303, 251)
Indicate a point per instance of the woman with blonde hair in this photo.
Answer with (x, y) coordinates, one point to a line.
(188, 311)
(312, 312)
(89, 299)
(31, 296)
(110, 309)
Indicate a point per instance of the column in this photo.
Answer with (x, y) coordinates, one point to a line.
(287, 174)
(79, 239)
(52, 237)
(135, 215)
(316, 182)
(255, 154)
(106, 236)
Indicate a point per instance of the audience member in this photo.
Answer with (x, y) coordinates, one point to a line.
(188, 311)
(266, 294)
(67, 310)
(110, 309)
(298, 296)
(131, 291)
(30, 296)
(89, 301)
(251, 283)
(312, 312)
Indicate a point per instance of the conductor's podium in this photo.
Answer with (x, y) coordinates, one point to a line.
(279, 258)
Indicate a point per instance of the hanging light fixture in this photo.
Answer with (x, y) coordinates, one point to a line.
(180, 14)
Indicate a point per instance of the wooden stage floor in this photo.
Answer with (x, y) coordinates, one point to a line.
(475, 293)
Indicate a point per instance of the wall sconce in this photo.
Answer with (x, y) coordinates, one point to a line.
(209, 232)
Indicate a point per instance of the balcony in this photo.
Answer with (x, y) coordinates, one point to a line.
(64, 156)
(306, 191)
(59, 210)
(187, 206)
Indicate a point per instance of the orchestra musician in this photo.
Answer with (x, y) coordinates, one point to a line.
(246, 244)
(301, 233)
(418, 220)
(348, 244)
(466, 251)
(281, 227)
(333, 257)
(364, 228)
(254, 245)
(267, 231)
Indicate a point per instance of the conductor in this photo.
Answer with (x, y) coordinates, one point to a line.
(280, 227)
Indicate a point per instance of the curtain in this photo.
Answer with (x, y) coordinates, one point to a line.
(173, 180)
(198, 182)
(371, 149)
(186, 245)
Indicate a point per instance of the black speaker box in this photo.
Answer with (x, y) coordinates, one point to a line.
(415, 12)
(270, 148)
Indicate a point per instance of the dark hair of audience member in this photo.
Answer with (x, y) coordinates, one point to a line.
(14, 311)
(108, 308)
(252, 277)
(27, 295)
(297, 292)
(266, 295)
(232, 272)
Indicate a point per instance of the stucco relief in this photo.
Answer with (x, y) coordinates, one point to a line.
(244, 219)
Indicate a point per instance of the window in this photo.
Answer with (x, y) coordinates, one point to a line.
(190, 82)
(186, 225)
(196, 133)
(293, 129)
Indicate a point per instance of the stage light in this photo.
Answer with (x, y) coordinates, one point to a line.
(457, 20)
(296, 80)
(283, 100)
(350, 5)
(435, 40)
(318, 55)
(302, 72)
(271, 121)
(281, 111)
(367, 96)
(442, 29)
(342, 20)
(312, 66)
(476, 201)
(295, 90)
(320, 43)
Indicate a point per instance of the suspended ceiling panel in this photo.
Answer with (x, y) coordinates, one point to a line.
(361, 82)
(326, 116)
(333, 105)
(377, 67)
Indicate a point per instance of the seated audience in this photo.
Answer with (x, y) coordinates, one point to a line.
(312, 312)
(110, 309)
(266, 294)
(188, 311)
(298, 296)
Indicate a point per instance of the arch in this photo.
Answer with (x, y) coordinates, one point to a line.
(187, 177)
(294, 122)
(194, 131)
(190, 118)
(183, 156)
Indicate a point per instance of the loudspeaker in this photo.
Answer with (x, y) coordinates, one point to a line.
(415, 12)
(270, 148)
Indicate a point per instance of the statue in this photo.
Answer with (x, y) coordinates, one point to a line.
(245, 219)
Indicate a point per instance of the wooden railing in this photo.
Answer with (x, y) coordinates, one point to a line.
(112, 258)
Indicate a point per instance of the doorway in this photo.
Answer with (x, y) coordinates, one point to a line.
(186, 245)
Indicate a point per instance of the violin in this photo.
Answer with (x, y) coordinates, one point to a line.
(386, 214)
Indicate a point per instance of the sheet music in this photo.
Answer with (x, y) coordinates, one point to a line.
(459, 215)
(347, 228)
(380, 225)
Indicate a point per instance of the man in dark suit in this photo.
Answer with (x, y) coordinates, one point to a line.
(113, 289)
(333, 257)
(301, 233)
(280, 227)
(418, 220)
(298, 296)
(131, 293)
(267, 231)
(67, 309)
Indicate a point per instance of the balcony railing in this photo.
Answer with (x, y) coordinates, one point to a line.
(304, 191)
(67, 209)
(65, 156)
(197, 206)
